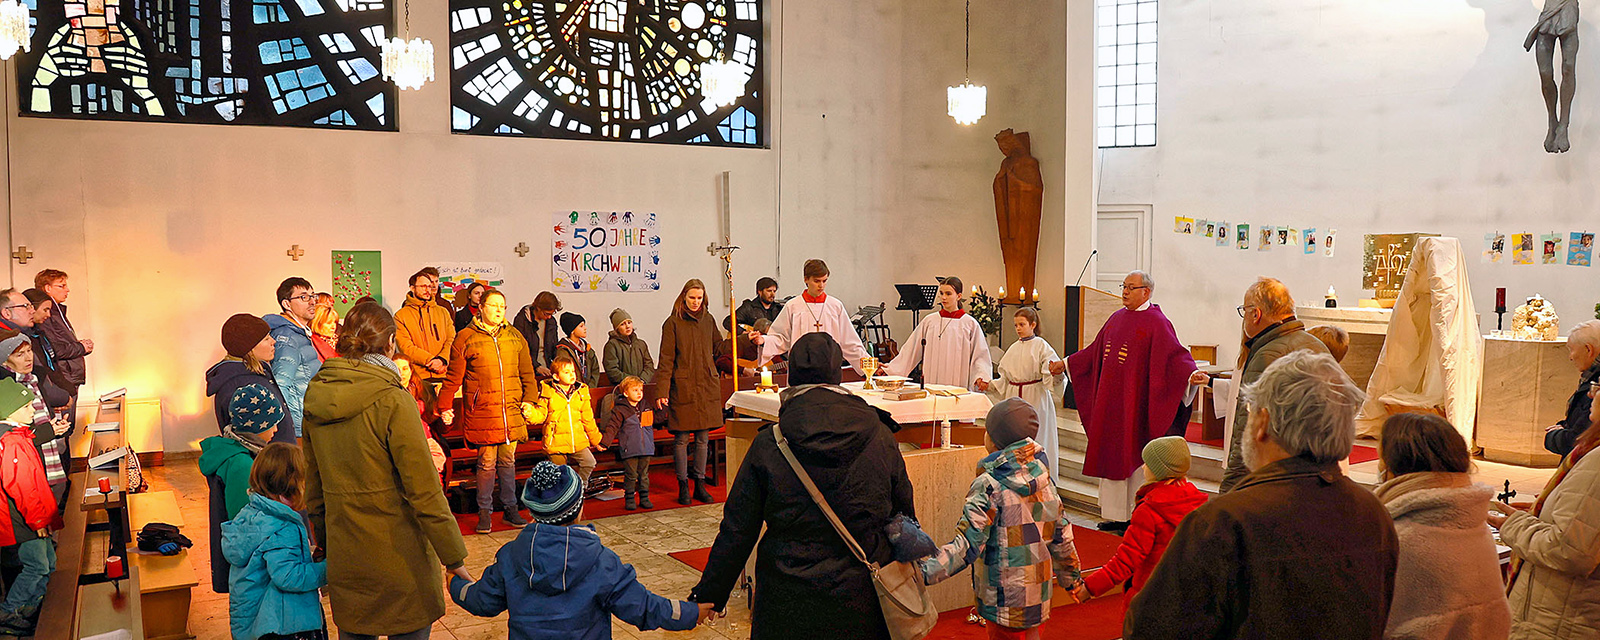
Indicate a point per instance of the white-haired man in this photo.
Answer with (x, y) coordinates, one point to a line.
(1583, 349)
(1297, 550)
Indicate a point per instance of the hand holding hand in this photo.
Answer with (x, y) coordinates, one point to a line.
(528, 411)
(599, 447)
(448, 416)
(437, 366)
(1058, 367)
(708, 614)
(461, 572)
(1081, 593)
(1199, 378)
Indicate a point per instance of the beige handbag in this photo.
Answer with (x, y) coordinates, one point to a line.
(907, 608)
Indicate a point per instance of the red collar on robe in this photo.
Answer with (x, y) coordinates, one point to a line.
(806, 295)
(952, 314)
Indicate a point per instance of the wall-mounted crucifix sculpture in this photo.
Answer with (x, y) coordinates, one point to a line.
(1558, 21)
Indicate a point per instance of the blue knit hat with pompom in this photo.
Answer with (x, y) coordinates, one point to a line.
(553, 493)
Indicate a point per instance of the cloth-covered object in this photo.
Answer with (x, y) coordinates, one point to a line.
(1560, 441)
(1024, 372)
(1129, 385)
(802, 316)
(424, 331)
(1432, 359)
(628, 355)
(273, 583)
(22, 481)
(625, 424)
(569, 425)
(294, 362)
(1014, 535)
(687, 374)
(1260, 351)
(811, 586)
(956, 352)
(225, 378)
(1160, 507)
(1447, 583)
(375, 501)
(586, 362)
(494, 371)
(553, 493)
(562, 583)
(1298, 550)
(69, 352)
(1556, 592)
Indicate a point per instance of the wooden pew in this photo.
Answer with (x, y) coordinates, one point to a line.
(166, 583)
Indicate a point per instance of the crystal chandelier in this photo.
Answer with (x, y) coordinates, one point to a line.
(408, 62)
(722, 81)
(968, 102)
(13, 28)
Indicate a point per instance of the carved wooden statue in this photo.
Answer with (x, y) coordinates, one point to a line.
(1558, 21)
(1018, 206)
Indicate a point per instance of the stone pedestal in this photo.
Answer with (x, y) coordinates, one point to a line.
(1367, 327)
(1526, 384)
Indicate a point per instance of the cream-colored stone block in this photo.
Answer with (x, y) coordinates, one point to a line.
(1526, 384)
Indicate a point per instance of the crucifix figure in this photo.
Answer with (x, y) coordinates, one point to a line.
(1558, 21)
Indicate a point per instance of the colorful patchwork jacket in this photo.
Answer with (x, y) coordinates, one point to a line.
(1015, 535)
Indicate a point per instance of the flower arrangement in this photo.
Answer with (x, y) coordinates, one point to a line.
(986, 310)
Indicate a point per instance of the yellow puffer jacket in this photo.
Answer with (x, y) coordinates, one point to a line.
(569, 425)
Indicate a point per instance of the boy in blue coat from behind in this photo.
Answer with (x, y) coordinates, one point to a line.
(559, 581)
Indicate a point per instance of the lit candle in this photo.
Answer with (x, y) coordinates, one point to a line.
(766, 377)
(1035, 295)
(974, 289)
(1002, 293)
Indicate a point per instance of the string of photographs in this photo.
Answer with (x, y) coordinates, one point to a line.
(1528, 248)
(1261, 237)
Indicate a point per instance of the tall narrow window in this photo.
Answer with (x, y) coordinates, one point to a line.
(1125, 73)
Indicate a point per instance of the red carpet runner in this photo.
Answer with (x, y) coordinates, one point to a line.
(1099, 619)
(663, 492)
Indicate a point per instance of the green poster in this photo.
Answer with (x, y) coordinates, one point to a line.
(356, 274)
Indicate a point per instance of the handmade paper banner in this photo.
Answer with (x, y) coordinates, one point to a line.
(1184, 226)
(1327, 242)
(1224, 234)
(605, 251)
(1244, 237)
(1207, 227)
(1309, 241)
(1580, 249)
(1494, 247)
(356, 274)
(455, 277)
(1521, 248)
(1552, 247)
(1268, 232)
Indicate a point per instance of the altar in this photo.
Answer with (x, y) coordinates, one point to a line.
(942, 403)
(1368, 328)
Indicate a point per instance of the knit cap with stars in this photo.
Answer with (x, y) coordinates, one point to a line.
(254, 409)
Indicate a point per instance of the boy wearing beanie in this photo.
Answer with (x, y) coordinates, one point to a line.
(1163, 501)
(559, 581)
(626, 354)
(1012, 529)
(576, 346)
(30, 507)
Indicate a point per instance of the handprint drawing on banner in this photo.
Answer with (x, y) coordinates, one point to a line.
(594, 217)
(559, 281)
(560, 258)
(655, 258)
(560, 230)
(650, 275)
(655, 240)
(651, 220)
(627, 217)
(622, 283)
(613, 218)
(573, 217)
(594, 282)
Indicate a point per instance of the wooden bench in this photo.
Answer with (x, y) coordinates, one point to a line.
(166, 583)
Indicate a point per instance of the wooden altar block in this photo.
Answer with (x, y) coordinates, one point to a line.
(1526, 384)
(925, 434)
(941, 478)
(741, 432)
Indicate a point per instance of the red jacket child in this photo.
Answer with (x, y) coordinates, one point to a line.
(1161, 505)
(22, 480)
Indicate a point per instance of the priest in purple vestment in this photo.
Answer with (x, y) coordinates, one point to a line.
(1133, 384)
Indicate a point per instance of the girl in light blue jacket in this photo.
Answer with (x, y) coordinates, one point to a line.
(272, 581)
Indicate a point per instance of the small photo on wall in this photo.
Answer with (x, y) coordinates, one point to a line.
(1327, 242)
(1224, 234)
(1580, 249)
(1521, 248)
(1309, 241)
(1183, 226)
(1268, 236)
(1283, 235)
(1494, 247)
(1207, 227)
(1243, 236)
(1551, 244)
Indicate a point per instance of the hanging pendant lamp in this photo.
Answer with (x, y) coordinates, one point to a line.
(13, 28)
(968, 102)
(409, 63)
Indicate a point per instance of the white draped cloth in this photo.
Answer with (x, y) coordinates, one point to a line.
(1025, 373)
(957, 353)
(1432, 359)
(800, 317)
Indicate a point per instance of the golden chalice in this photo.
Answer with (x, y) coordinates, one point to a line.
(869, 366)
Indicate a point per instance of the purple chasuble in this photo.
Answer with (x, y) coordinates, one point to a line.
(1129, 385)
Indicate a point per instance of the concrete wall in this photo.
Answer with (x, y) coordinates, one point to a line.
(169, 229)
(1370, 116)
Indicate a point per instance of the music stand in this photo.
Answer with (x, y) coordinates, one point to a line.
(916, 298)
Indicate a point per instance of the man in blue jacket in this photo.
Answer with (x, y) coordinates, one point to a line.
(295, 361)
(559, 581)
(1583, 349)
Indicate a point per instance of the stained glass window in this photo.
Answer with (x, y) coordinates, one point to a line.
(1125, 68)
(310, 63)
(604, 69)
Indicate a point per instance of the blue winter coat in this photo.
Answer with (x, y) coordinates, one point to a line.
(625, 424)
(294, 363)
(272, 585)
(561, 583)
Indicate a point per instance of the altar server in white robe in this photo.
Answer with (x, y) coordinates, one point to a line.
(1031, 370)
(949, 345)
(814, 311)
